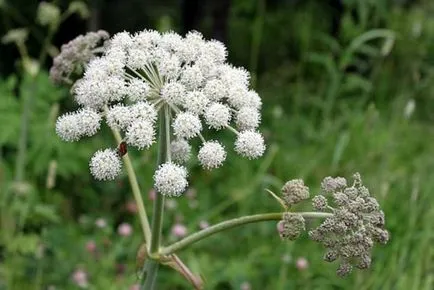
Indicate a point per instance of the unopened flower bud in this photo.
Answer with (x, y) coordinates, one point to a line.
(294, 191)
(291, 226)
(364, 263)
(344, 269)
(319, 202)
(331, 256)
(330, 184)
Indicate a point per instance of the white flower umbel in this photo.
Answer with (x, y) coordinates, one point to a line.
(137, 75)
(105, 165)
(170, 179)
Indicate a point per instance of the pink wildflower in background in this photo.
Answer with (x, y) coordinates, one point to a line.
(179, 230)
(152, 194)
(302, 264)
(91, 246)
(131, 207)
(79, 277)
(125, 230)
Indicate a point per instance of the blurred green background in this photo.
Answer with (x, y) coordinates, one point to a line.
(347, 86)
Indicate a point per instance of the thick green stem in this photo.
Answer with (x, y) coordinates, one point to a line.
(152, 264)
(136, 192)
(151, 270)
(232, 224)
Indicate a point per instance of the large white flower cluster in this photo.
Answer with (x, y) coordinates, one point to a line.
(140, 74)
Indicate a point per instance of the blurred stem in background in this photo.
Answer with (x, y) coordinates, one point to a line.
(256, 39)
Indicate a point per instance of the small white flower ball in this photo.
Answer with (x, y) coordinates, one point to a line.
(186, 125)
(180, 150)
(211, 155)
(137, 58)
(196, 102)
(250, 144)
(173, 93)
(144, 110)
(238, 96)
(140, 134)
(247, 118)
(67, 127)
(192, 77)
(137, 90)
(119, 117)
(253, 100)
(169, 67)
(89, 93)
(89, 122)
(217, 116)
(170, 179)
(215, 90)
(217, 50)
(231, 75)
(105, 165)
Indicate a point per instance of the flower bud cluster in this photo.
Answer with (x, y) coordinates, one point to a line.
(291, 226)
(75, 55)
(294, 191)
(138, 75)
(357, 223)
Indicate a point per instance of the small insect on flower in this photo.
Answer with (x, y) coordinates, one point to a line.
(122, 149)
